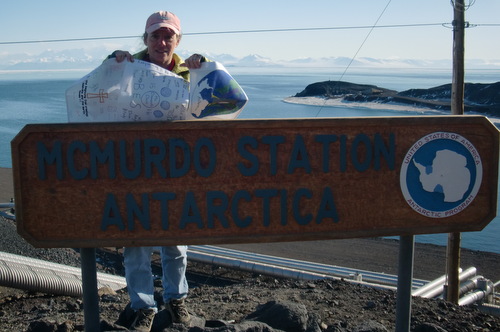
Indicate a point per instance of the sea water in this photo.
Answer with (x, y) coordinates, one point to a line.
(40, 98)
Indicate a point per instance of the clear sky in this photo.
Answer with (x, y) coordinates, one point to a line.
(22, 20)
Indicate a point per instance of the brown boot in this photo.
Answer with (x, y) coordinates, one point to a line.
(178, 311)
(143, 320)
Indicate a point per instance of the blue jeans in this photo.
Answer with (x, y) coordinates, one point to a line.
(137, 261)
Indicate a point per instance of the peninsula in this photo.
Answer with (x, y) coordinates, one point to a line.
(478, 97)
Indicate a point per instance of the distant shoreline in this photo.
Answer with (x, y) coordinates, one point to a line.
(339, 102)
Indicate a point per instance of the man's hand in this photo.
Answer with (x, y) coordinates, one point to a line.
(122, 55)
(194, 61)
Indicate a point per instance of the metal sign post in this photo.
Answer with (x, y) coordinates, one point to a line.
(405, 281)
(90, 296)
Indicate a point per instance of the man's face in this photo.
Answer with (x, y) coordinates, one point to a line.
(161, 45)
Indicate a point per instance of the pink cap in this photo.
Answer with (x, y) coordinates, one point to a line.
(163, 19)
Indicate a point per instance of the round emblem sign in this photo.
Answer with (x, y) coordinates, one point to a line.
(441, 174)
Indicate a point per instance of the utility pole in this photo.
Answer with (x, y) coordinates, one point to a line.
(457, 87)
(457, 108)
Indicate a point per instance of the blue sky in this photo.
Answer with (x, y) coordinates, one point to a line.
(22, 20)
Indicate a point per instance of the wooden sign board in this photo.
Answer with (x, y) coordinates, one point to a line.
(213, 182)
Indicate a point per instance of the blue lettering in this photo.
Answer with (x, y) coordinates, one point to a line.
(154, 154)
(299, 157)
(301, 220)
(134, 210)
(273, 142)
(70, 157)
(111, 215)
(136, 159)
(217, 205)
(178, 144)
(212, 157)
(102, 156)
(360, 140)
(190, 212)
(388, 152)
(44, 156)
(327, 208)
(326, 140)
(254, 161)
(164, 198)
(266, 195)
(238, 196)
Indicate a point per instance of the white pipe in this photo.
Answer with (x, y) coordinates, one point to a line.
(21, 276)
(469, 285)
(439, 282)
(102, 277)
(6, 205)
(318, 268)
(7, 214)
(471, 297)
(37, 275)
(436, 286)
(267, 269)
(475, 296)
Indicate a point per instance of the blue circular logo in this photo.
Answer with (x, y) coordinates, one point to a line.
(441, 174)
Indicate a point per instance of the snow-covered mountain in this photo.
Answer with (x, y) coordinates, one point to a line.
(91, 58)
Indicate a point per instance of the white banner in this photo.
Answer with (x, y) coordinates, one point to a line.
(142, 91)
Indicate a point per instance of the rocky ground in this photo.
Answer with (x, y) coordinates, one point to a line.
(227, 300)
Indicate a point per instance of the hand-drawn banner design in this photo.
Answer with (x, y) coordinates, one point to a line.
(142, 91)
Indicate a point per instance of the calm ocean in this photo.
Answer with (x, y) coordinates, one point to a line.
(39, 98)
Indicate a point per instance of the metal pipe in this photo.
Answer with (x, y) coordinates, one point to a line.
(440, 288)
(318, 268)
(469, 285)
(7, 214)
(113, 281)
(439, 282)
(405, 277)
(475, 296)
(23, 277)
(6, 205)
(33, 274)
(283, 267)
(437, 285)
(272, 270)
(90, 296)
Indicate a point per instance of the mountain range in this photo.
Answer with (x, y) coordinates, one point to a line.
(85, 59)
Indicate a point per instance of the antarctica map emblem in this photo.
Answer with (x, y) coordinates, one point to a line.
(441, 174)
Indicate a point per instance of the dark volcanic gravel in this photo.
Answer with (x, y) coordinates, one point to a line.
(228, 300)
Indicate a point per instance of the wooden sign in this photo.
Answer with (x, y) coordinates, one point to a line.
(212, 182)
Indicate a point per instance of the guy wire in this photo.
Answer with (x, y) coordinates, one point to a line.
(359, 49)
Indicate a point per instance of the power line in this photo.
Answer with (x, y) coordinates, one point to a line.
(63, 40)
(228, 32)
(249, 31)
(318, 28)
